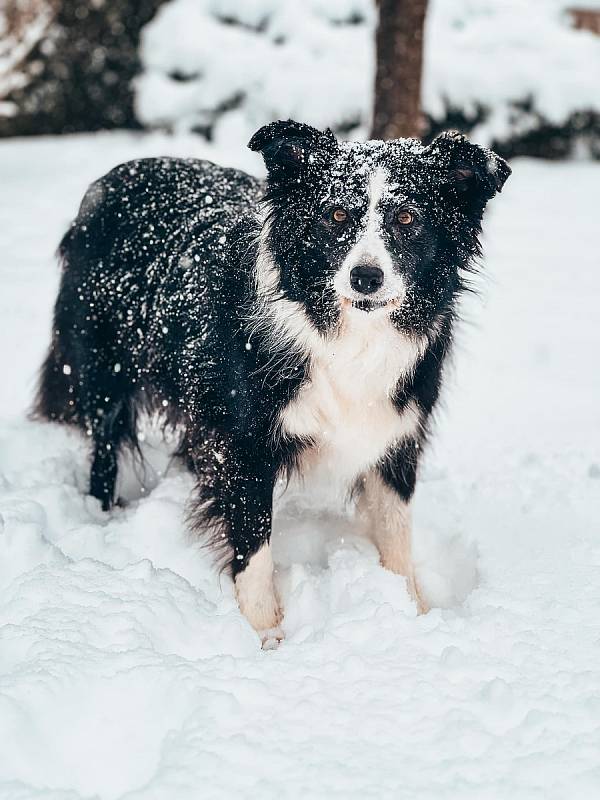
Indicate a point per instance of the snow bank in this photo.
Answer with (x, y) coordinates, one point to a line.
(226, 67)
(126, 670)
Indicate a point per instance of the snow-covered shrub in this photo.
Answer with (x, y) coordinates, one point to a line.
(516, 73)
(240, 64)
(512, 72)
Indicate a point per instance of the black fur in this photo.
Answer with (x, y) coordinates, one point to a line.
(158, 307)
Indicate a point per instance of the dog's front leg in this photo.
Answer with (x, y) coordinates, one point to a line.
(236, 477)
(384, 506)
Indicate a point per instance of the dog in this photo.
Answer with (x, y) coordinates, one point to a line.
(282, 326)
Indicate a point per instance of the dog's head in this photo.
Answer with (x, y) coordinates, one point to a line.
(381, 227)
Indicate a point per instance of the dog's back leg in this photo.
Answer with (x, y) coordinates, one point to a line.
(108, 436)
(79, 388)
(102, 403)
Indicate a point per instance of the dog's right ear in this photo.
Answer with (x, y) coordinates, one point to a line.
(286, 146)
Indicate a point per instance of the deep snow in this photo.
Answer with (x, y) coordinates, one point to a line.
(126, 669)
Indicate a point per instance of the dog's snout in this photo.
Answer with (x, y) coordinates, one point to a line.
(366, 279)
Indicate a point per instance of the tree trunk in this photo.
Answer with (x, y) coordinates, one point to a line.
(399, 43)
(68, 64)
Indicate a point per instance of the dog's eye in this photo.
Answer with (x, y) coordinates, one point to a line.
(339, 215)
(405, 217)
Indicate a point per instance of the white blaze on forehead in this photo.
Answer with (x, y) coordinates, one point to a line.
(370, 247)
(378, 183)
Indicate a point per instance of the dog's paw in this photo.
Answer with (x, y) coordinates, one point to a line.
(423, 606)
(261, 611)
(255, 592)
(417, 595)
(271, 638)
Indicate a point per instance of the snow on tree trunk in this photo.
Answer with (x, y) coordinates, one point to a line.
(67, 65)
(399, 42)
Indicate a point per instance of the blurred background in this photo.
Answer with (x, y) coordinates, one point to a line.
(521, 77)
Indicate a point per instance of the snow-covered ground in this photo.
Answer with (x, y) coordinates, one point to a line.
(126, 669)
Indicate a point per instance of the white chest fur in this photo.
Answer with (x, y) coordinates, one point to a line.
(346, 405)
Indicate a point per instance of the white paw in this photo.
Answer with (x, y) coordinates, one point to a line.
(255, 592)
(271, 638)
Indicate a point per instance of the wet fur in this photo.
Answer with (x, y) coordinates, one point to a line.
(202, 293)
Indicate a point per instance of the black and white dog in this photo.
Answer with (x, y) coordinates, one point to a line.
(298, 324)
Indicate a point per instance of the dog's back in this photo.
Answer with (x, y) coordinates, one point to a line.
(142, 265)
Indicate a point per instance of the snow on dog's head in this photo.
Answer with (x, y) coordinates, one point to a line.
(382, 227)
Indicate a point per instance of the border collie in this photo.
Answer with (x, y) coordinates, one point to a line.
(280, 326)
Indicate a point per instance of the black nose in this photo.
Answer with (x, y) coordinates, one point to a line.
(366, 279)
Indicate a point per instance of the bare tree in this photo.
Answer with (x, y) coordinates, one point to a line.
(399, 45)
(67, 65)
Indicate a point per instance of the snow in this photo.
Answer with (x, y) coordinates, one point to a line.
(269, 60)
(126, 669)
(230, 66)
(489, 54)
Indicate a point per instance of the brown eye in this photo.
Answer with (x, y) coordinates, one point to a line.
(404, 217)
(339, 215)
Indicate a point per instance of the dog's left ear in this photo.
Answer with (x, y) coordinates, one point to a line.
(287, 146)
(472, 173)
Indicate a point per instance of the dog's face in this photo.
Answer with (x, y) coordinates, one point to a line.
(380, 227)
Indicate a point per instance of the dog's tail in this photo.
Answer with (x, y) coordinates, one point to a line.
(55, 398)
